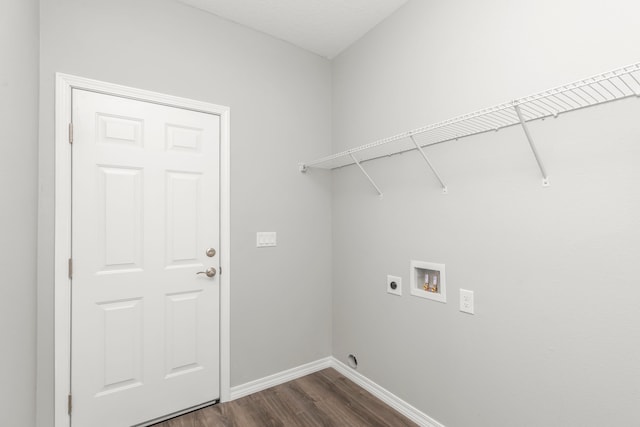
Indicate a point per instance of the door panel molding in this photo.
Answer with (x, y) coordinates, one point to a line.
(65, 83)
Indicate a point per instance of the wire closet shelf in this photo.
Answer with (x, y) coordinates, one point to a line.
(599, 89)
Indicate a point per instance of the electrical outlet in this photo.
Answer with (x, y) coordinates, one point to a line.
(394, 285)
(466, 301)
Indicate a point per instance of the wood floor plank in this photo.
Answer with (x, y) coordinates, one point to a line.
(306, 406)
(322, 399)
(381, 412)
(337, 407)
(358, 401)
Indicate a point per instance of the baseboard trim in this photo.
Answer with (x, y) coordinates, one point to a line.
(409, 411)
(381, 393)
(279, 378)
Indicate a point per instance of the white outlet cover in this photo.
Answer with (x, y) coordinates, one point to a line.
(466, 301)
(398, 289)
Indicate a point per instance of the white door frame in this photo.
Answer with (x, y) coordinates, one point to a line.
(62, 289)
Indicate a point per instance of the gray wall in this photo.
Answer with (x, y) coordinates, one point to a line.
(18, 187)
(556, 336)
(280, 114)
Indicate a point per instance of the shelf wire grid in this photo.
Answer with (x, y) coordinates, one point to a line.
(599, 89)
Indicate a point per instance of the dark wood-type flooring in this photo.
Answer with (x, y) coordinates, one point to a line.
(324, 398)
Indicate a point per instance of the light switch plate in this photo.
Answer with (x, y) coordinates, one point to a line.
(265, 239)
(466, 301)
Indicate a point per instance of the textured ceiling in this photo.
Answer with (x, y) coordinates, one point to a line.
(325, 27)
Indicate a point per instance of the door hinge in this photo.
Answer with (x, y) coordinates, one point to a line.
(70, 133)
(70, 268)
(69, 405)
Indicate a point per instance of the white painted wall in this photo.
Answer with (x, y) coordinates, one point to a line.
(18, 187)
(280, 113)
(556, 336)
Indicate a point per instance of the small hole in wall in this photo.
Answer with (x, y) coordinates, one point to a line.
(353, 362)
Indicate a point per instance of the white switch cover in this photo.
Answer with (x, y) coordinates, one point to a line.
(466, 301)
(265, 239)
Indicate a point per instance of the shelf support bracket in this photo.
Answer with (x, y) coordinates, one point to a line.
(426, 159)
(366, 174)
(545, 177)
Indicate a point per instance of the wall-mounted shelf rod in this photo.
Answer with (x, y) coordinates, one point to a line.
(599, 89)
(426, 159)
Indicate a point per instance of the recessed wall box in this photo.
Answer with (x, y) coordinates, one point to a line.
(428, 280)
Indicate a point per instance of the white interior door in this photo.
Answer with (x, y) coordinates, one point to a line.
(145, 209)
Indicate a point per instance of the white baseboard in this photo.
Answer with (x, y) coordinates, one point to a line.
(385, 395)
(279, 378)
(381, 393)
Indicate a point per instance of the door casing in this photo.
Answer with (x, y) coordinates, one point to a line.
(62, 283)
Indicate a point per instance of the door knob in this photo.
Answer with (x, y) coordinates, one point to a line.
(210, 272)
(210, 252)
